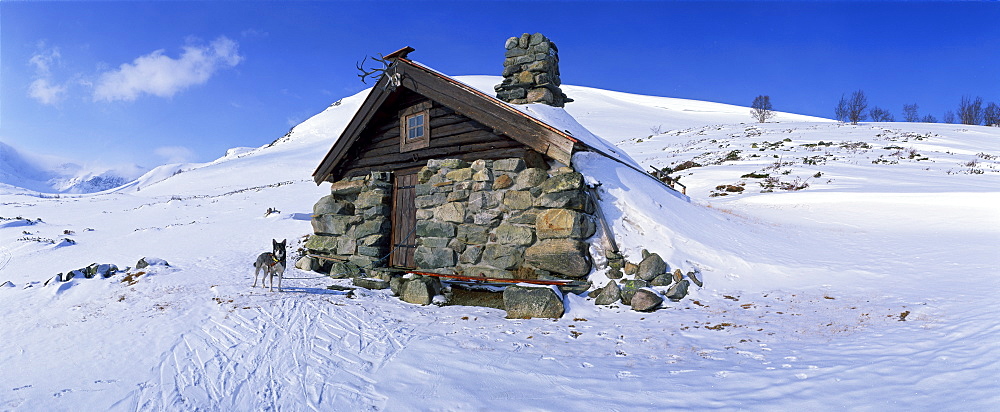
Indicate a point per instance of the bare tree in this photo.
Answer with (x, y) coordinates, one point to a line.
(879, 114)
(910, 113)
(991, 116)
(841, 111)
(949, 117)
(761, 109)
(970, 111)
(929, 119)
(855, 107)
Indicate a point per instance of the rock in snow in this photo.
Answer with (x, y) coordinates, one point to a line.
(524, 302)
(646, 300)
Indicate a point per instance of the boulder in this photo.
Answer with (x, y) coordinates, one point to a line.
(646, 300)
(570, 199)
(371, 199)
(517, 199)
(471, 234)
(317, 242)
(509, 165)
(481, 200)
(340, 270)
(331, 205)
(306, 263)
(561, 223)
(460, 174)
(433, 228)
(630, 288)
(485, 175)
(609, 294)
(523, 302)
(631, 268)
(432, 258)
(333, 224)
(514, 235)
(150, 261)
(347, 187)
(566, 257)
(501, 256)
(378, 225)
(471, 254)
(529, 178)
(651, 267)
(694, 278)
(678, 291)
(662, 280)
(502, 182)
(562, 183)
(396, 284)
(370, 283)
(418, 291)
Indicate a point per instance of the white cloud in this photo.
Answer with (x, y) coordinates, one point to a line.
(160, 75)
(174, 154)
(45, 92)
(43, 89)
(44, 60)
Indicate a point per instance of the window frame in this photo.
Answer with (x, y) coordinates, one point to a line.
(406, 144)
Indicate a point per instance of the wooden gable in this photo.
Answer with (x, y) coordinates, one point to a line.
(464, 123)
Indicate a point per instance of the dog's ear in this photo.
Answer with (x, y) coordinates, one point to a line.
(284, 242)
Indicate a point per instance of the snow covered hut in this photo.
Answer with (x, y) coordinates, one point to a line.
(434, 175)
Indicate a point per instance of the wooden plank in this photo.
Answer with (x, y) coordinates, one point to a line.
(392, 124)
(350, 170)
(431, 153)
(390, 147)
(437, 130)
(404, 221)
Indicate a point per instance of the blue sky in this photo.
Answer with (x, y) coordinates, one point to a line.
(154, 82)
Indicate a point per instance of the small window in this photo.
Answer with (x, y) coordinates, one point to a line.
(414, 127)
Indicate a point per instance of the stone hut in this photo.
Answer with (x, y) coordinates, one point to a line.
(434, 175)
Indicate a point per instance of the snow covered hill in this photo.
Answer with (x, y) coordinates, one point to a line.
(47, 175)
(872, 288)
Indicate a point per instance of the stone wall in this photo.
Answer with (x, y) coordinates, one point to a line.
(503, 219)
(352, 223)
(531, 72)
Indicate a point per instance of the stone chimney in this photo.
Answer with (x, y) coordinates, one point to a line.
(531, 72)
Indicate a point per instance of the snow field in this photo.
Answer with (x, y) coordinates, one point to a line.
(874, 291)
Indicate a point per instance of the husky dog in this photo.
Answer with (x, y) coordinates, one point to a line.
(273, 263)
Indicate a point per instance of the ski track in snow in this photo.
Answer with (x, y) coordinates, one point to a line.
(278, 353)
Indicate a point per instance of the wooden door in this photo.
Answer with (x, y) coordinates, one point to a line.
(404, 221)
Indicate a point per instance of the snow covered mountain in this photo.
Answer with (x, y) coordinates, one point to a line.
(845, 267)
(49, 175)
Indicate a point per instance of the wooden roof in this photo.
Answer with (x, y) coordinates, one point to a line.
(479, 106)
